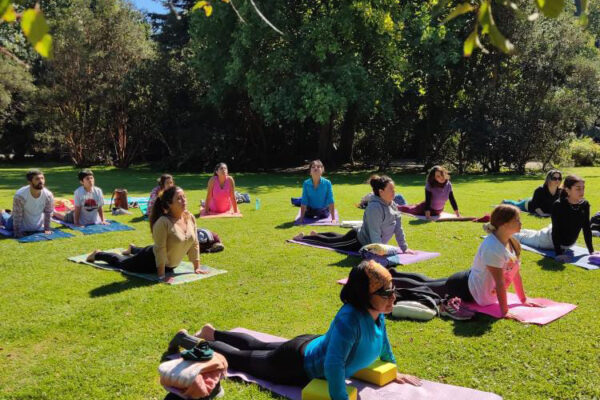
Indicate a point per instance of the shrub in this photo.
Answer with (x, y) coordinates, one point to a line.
(585, 152)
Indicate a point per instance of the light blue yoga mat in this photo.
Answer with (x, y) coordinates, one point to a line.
(38, 236)
(184, 273)
(114, 226)
(579, 255)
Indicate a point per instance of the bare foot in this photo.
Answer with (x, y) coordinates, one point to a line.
(299, 236)
(207, 332)
(128, 251)
(92, 257)
(313, 232)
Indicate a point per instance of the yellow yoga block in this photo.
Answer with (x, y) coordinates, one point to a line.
(318, 389)
(379, 373)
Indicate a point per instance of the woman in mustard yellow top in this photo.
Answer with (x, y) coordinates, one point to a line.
(174, 232)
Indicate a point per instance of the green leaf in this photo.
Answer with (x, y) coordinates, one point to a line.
(34, 25)
(36, 29)
(44, 47)
(485, 16)
(584, 20)
(498, 40)
(551, 8)
(10, 15)
(200, 4)
(205, 5)
(459, 10)
(470, 43)
(4, 6)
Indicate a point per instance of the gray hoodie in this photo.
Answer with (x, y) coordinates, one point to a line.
(380, 222)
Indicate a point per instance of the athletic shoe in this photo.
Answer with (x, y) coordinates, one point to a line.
(215, 248)
(120, 211)
(452, 308)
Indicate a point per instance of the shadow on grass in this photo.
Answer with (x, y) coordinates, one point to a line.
(477, 326)
(130, 282)
(414, 221)
(550, 264)
(287, 225)
(349, 261)
(138, 219)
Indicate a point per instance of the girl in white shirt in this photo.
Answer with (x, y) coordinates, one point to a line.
(495, 267)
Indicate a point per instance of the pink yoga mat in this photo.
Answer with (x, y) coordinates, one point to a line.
(528, 315)
(428, 391)
(222, 215)
(322, 222)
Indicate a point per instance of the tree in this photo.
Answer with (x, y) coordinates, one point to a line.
(16, 94)
(99, 45)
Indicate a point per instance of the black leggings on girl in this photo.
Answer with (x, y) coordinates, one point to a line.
(457, 285)
(278, 362)
(142, 260)
(333, 240)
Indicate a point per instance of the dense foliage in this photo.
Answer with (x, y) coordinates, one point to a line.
(366, 81)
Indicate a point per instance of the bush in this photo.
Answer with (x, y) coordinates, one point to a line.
(585, 152)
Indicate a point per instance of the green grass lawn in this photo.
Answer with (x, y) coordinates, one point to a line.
(69, 331)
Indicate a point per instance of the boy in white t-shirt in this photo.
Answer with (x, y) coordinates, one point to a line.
(89, 200)
(32, 207)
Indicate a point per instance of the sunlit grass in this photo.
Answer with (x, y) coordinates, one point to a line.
(69, 331)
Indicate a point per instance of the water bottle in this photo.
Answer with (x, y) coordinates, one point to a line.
(257, 204)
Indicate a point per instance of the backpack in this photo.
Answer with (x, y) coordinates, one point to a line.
(419, 303)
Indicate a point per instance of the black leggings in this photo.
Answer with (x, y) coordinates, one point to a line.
(141, 261)
(277, 362)
(457, 285)
(348, 241)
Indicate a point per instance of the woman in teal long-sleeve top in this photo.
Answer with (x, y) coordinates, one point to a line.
(355, 339)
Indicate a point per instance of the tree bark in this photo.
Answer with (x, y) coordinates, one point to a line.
(324, 149)
(347, 135)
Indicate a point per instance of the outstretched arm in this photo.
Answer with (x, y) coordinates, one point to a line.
(232, 195)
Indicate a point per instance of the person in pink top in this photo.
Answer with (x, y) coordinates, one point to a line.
(220, 194)
(438, 190)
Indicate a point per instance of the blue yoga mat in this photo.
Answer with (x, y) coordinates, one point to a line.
(95, 229)
(579, 255)
(38, 236)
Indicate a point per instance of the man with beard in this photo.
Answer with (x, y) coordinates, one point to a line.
(32, 207)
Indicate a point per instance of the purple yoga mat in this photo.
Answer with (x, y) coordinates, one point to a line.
(429, 390)
(322, 222)
(399, 259)
(528, 315)
(443, 217)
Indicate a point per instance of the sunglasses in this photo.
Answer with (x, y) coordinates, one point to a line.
(385, 293)
(556, 178)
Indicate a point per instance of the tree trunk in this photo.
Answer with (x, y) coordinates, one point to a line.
(347, 135)
(325, 141)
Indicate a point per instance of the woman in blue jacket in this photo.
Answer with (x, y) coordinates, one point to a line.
(317, 195)
(381, 221)
(356, 338)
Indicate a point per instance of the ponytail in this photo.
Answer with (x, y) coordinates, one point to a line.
(379, 183)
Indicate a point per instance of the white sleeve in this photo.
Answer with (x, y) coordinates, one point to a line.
(493, 255)
(78, 198)
(100, 199)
